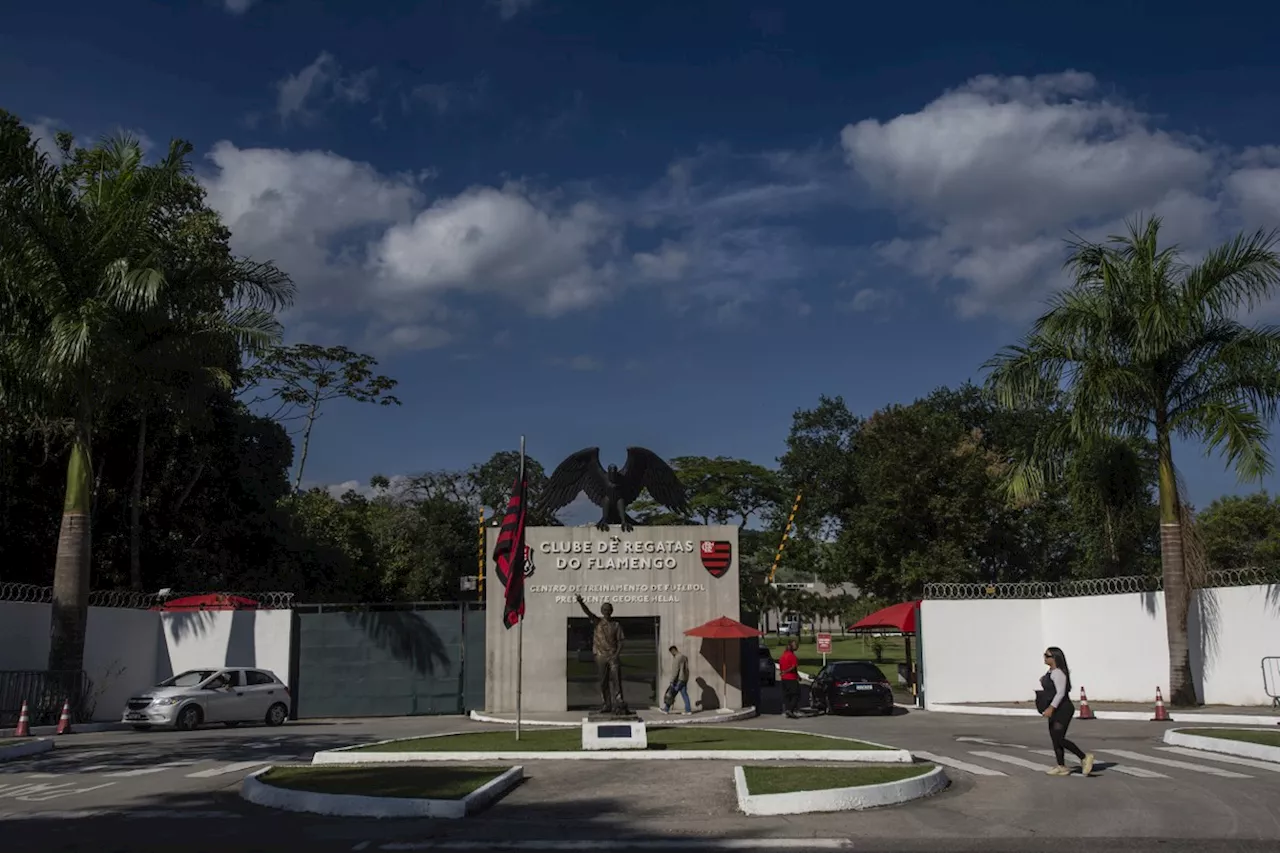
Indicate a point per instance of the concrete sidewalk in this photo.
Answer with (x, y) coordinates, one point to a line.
(1256, 715)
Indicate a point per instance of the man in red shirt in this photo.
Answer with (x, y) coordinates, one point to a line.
(789, 666)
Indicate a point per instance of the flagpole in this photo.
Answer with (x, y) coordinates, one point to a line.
(520, 624)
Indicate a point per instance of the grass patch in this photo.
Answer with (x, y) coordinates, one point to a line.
(570, 740)
(1241, 735)
(853, 647)
(428, 783)
(786, 780)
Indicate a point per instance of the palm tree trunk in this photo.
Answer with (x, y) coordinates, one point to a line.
(135, 508)
(70, 612)
(1177, 593)
(306, 446)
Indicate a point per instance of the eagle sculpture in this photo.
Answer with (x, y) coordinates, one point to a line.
(613, 490)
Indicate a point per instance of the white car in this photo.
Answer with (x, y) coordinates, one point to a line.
(230, 696)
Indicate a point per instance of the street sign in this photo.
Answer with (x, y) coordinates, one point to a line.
(468, 583)
(824, 646)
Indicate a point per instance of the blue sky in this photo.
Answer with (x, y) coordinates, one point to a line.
(676, 222)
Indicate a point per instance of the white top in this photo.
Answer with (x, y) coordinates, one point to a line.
(1060, 682)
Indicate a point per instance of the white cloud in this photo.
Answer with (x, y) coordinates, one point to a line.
(44, 131)
(993, 176)
(448, 97)
(301, 95)
(238, 7)
(504, 241)
(366, 246)
(508, 9)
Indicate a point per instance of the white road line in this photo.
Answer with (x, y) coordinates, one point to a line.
(92, 768)
(44, 775)
(1139, 772)
(266, 745)
(1012, 759)
(975, 769)
(985, 742)
(1181, 765)
(621, 844)
(144, 771)
(226, 768)
(88, 753)
(1226, 759)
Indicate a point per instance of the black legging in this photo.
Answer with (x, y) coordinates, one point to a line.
(1058, 724)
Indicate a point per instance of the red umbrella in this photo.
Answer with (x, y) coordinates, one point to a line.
(723, 628)
(215, 601)
(899, 617)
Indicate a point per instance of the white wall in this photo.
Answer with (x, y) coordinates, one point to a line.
(980, 649)
(24, 635)
(213, 638)
(989, 651)
(126, 650)
(119, 657)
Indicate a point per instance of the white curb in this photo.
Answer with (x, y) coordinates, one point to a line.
(359, 754)
(1240, 748)
(35, 746)
(838, 799)
(701, 718)
(354, 805)
(1184, 717)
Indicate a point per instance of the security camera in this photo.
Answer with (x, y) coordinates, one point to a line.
(165, 593)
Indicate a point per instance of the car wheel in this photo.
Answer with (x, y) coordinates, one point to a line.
(888, 712)
(231, 724)
(142, 728)
(277, 714)
(189, 718)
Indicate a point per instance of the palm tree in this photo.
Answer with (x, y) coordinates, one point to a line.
(1145, 344)
(82, 269)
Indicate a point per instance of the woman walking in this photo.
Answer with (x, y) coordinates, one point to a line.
(1054, 701)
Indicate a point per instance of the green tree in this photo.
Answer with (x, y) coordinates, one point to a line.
(301, 378)
(82, 265)
(1147, 345)
(1241, 532)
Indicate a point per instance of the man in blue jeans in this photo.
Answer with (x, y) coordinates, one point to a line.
(679, 683)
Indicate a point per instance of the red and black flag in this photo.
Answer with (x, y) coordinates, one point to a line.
(509, 554)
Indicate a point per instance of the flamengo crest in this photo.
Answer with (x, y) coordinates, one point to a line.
(716, 557)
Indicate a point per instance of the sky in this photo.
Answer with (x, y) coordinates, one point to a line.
(669, 224)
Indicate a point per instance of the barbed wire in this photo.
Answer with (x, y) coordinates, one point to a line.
(124, 598)
(1092, 586)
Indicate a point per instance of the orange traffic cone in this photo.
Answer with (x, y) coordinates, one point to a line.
(24, 723)
(1086, 713)
(64, 722)
(1162, 716)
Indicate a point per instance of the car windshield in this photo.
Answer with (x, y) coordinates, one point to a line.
(856, 672)
(190, 678)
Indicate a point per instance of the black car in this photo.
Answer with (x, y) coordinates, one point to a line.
(768, 669)
(852, 685)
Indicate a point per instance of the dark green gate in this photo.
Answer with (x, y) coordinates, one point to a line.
(388, 660)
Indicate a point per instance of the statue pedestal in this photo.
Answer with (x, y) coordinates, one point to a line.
(609, 731)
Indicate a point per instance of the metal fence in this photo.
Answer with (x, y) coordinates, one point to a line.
(1090, 586)
(33, 594)
(44, 693)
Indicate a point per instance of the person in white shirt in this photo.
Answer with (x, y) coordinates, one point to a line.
(1054, 703)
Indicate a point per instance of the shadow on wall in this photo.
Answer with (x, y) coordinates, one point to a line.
(708, 699)
(405, 636)
(1273, 598)
(184, 625)
(1203, 620)
(242, 647)
(1149, 604)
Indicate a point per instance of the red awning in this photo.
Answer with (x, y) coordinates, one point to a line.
(899, 617)
(213, 601)
(723, 628)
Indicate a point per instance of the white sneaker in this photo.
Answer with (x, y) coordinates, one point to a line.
(665, 710)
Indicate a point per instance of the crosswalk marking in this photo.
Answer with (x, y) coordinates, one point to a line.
(975, 769)
(144, 771)
(227, 768)
(1182, 765)
(1012, 759)
(1226, 759)
(1139, 772)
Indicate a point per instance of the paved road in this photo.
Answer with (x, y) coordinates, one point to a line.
(151, 791)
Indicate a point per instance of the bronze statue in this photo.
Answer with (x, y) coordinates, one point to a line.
(606, 644)
(613, 490)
